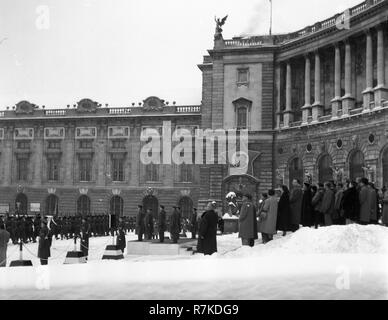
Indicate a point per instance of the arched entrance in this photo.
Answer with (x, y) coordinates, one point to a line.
(356, 164)
(296, 170)
(385, 168)
(151, 202)
(21, 204)
(186, 205)
(117, 207)
(324, 169)
(83, 205)
(52, 203)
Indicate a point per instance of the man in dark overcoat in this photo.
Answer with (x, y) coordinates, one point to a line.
(296, 197)
(85, 232)
(207, 234)
(140, 225)
(44, 243)
(248, 222)
(175, 225)
(162, 223)
(194, 223)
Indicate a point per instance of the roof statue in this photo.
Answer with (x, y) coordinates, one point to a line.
(219, 24)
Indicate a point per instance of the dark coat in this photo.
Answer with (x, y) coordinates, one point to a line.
(351, 204)
(194, 223)
(149, 224)
(373, 204)
(296, 205)
(140, 225)
(44, 243)
(175, 223)
(328, 206)
(284, 213)
(338, 211)
(162, 226)
(248, 222)
(207, 242)
(365, 209)
(85, 234)
(307, 209)
(4, 239)
(120, 241)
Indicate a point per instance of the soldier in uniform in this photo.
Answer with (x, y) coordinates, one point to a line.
(175, 225)
(85, 235)
(140, 225)
(120, 240)
(149, 224)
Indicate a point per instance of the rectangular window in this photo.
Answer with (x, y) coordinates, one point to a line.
(24, 145)
(53, 169)
(22, 169)
(118, 144)
(152, 172)
(186, 173)
(242, 76)
(242, 118)
(54, 145)
(86, 144)
(118, 169)
(85, 169)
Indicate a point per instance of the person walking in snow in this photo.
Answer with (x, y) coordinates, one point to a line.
(44, 243)
(120, 240)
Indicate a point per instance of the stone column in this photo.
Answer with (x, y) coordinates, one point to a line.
(348, 99)
(317, 106)
(278, 106)
(288, 114)
(336, 102)
(381, 92)
(307, 92)
(368, 92)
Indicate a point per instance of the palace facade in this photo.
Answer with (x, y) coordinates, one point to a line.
(315, 103)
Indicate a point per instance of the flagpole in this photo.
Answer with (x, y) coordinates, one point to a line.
(270, 28)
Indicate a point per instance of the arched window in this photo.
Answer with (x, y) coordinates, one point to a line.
(151, 202)
(385, 168)
(296, 170)
(52, 203)
(186, 205)
(83, 205)
(325, 170)
(356, 164)
(21, 203)
(117, 207)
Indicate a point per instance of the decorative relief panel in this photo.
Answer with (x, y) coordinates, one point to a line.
(54, 133)
(86, 133)
(24, 134)
(118, 133)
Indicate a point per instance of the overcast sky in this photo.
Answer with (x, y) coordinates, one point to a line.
(122, 51)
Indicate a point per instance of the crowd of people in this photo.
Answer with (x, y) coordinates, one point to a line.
(312, 206)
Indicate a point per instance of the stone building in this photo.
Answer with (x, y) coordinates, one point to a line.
(85, 159)
(314, 102)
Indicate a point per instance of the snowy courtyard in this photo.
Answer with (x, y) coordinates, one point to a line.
(339, 262)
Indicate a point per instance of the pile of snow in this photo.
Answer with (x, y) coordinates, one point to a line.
(350, 239)
(339, 262)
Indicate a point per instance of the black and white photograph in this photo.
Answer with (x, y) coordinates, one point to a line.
(183, 150)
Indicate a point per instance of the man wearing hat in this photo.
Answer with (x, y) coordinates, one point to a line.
(140, 227)
(175, 225)
(248, 222)
(162, 223)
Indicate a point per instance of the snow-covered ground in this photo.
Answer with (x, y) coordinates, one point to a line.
(339, 262)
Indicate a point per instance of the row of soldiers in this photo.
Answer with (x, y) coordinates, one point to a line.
(27, 228)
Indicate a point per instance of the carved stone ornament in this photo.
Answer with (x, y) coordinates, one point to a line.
(25, 107)
(87, 106)
(153, 104)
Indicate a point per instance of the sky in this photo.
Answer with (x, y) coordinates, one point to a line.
(119, 52)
